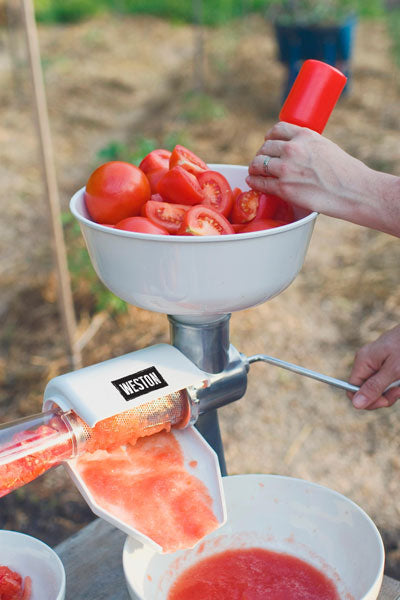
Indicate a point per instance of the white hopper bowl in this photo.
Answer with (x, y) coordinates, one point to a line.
(281, 514)
(195, 276)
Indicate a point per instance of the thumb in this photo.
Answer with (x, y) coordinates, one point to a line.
(372, 389)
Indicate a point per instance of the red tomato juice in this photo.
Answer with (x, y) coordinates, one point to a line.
(253, 574)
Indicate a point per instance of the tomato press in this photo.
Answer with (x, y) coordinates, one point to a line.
(177, 386)
(198, 281)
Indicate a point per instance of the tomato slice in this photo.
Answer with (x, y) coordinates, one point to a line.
(154, 177)
(203, 220)
(260, 224)
(165, 214)
(186, 159)
(235, 193)
(141, 225)
(253, 205)
(216, 191)
(180, 187)
(156, 159)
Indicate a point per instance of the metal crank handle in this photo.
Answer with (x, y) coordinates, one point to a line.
(344, 385)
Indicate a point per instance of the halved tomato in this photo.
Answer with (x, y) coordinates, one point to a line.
(165, 214)
(156, 159)
(236, 192)
(284, 211)
(187, 159)
(253, 205)
(216, 191)
(180, 187)
(141, 225)
(154, 177)
(203, 220)
(260, 224)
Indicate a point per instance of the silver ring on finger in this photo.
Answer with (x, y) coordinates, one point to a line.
(266, 163)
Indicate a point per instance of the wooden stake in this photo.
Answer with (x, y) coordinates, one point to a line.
(48, 164)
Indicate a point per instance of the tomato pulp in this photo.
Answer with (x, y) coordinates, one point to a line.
(148, 487)
(253, 574)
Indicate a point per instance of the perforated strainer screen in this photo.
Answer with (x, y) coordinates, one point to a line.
(141, 421)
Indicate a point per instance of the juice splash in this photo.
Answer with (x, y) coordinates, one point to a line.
(148, 487)
(253, 574)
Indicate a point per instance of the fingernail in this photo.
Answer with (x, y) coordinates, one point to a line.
(360, 401)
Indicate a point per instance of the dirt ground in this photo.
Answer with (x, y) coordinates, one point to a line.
(116, 79)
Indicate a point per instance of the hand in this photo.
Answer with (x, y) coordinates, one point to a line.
(311, 171)
(376, 366)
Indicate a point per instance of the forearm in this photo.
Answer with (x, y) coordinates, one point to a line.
(313, 172)
(380, 207)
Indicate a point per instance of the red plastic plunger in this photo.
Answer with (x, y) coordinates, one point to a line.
(31, 446)
(313, 95)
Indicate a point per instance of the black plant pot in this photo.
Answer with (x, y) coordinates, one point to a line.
(332, 44)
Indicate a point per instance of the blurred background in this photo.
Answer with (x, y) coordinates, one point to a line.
(123, 77)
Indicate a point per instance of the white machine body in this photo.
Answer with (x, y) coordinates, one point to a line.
(119, 384)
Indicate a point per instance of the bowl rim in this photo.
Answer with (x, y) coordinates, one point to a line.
(191, 239)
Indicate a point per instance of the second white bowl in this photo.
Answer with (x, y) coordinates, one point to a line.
(281, 514)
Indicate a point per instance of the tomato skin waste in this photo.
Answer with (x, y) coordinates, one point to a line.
(252, 574)
(12, 586)
(180, 180)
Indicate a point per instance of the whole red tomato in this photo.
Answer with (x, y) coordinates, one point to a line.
(116, 190)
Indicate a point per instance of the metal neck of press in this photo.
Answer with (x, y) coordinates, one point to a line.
(205, 344)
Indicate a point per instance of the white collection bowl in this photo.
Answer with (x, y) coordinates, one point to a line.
(281, 514)
(31, 557)
(197, 276)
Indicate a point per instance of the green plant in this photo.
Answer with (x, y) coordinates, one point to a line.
(66, 11)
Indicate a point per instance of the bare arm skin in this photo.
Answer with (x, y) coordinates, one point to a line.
(309, 170)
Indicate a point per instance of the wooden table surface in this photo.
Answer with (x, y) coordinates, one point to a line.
(93, 563)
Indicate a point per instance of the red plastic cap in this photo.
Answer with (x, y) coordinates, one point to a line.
(313, 95)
